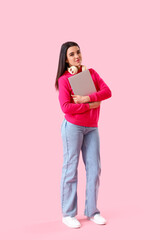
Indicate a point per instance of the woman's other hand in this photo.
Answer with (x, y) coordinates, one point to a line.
(80, 99)
(94, 104)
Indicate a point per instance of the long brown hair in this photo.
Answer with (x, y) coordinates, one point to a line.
(62, 65)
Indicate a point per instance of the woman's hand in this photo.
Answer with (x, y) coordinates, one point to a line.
(85, 99)
(80, 99)
(94, 104)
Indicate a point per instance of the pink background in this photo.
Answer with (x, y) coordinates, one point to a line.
(120, 40)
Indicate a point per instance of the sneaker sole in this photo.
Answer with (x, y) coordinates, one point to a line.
(102, 223)
(71, 225)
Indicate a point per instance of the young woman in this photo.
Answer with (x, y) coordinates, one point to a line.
(79, 131)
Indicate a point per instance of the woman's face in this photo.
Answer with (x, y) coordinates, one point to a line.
(74, 57)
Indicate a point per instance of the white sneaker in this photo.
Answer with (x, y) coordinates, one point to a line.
(97, 218)
(71, 222)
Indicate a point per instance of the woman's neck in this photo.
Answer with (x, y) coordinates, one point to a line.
(79, 67)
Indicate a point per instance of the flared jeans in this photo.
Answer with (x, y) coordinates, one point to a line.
(77, 138)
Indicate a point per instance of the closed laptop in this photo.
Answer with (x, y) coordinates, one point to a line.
(82, 83)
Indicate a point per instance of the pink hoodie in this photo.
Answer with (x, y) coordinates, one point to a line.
(81, 114)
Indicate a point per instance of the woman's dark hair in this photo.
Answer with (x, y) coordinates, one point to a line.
(62, 65)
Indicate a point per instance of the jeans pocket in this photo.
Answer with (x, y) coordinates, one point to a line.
(62, 125)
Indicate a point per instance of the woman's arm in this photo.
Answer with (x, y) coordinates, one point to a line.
(65, 99)
(104, 91)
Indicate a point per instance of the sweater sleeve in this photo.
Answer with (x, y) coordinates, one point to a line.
(103, 92)
(65, 99)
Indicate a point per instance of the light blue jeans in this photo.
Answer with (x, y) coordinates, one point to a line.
(86, 139)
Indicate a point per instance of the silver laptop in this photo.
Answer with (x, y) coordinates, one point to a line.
(82, 83)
